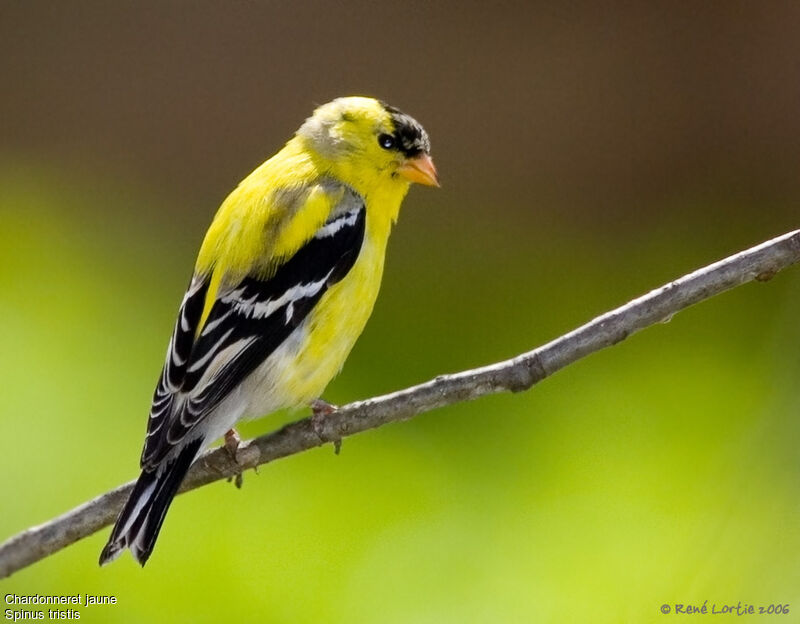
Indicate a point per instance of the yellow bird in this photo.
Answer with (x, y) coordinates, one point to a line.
(284, 283)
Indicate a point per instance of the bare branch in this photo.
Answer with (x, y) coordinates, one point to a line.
(519, 373)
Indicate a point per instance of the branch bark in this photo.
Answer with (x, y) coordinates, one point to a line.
(519, 373)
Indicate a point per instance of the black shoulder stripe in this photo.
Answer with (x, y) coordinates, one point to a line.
(253, 319)
(269, 310)
(178, 354)
(183, 335)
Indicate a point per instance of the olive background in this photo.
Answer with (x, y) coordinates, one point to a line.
(588, 153)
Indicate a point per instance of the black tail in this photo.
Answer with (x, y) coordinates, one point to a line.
(140, 520)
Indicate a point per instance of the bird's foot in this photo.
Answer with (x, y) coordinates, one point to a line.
(232, 443)
(322, 408)
(319, 411)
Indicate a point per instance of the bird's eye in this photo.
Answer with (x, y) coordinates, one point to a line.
(386, 141)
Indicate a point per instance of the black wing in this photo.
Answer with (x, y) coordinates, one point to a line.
(246, 324)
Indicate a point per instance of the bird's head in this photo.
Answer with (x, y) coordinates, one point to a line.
(367, 142)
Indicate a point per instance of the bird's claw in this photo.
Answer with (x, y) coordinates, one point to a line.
(319, 407)
(232, 443)
(319, 411)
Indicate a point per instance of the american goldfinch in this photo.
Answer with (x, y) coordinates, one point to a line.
(284, 283)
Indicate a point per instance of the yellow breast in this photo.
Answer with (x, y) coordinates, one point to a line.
(298, 370)
(332, 329)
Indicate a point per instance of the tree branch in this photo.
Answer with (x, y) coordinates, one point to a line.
(517, 374)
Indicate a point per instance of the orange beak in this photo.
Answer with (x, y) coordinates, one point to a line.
(419, 169)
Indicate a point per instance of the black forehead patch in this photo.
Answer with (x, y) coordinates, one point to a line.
(411, 137)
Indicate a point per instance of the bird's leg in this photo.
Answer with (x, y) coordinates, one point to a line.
(319, 410)
(322, 408)
(232, 443)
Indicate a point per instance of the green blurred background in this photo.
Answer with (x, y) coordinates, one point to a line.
(587, 155)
